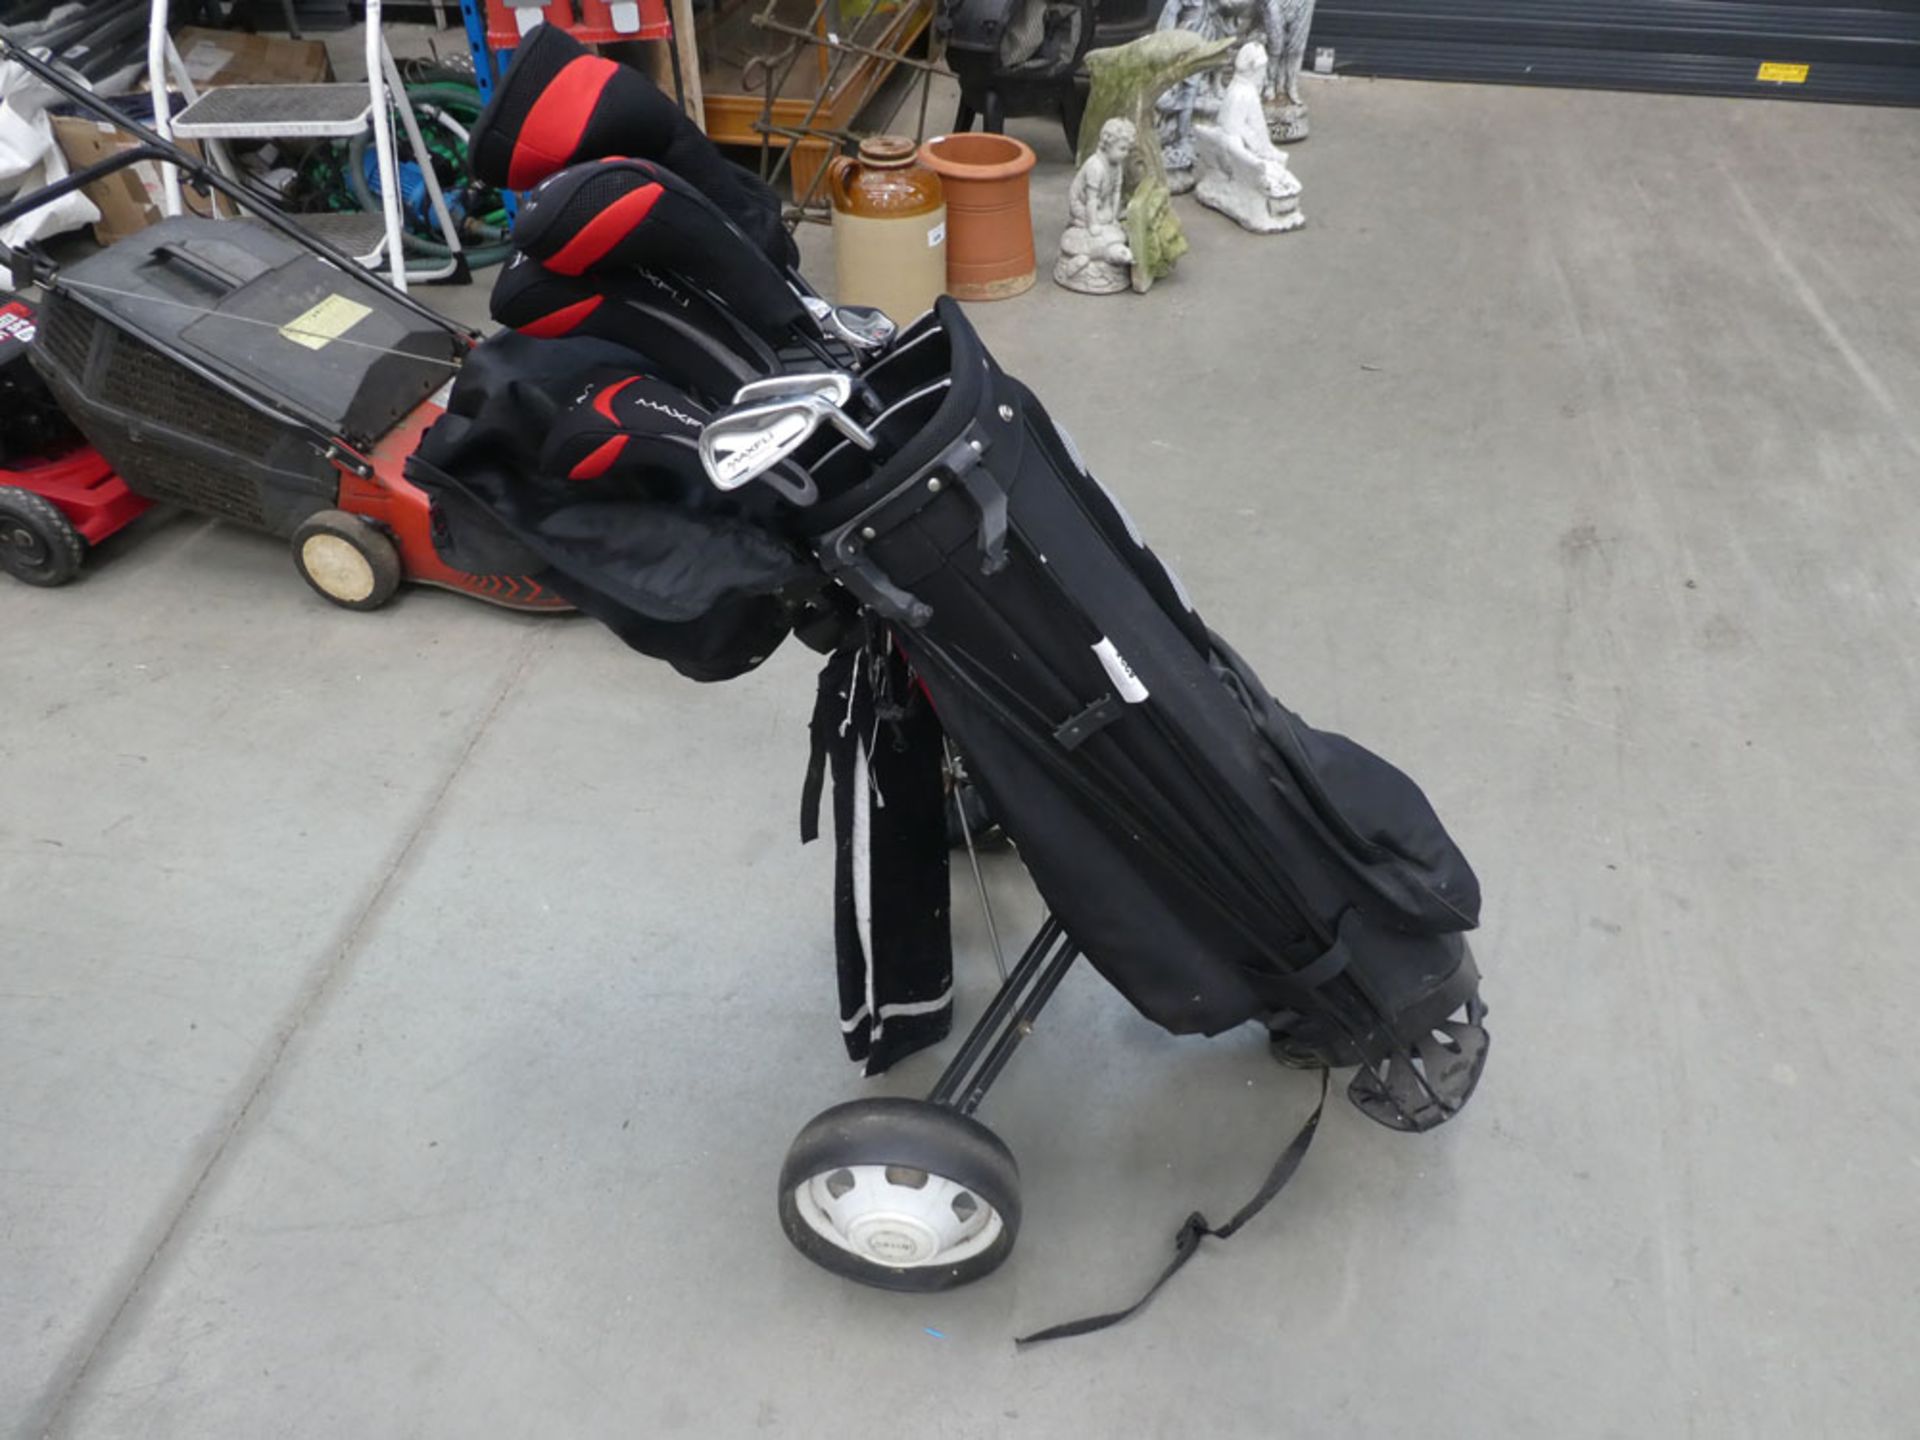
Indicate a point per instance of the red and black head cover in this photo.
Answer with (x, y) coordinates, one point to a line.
(684, 338)
(630, 432)
(620, 214)
(634, 437)
(559, 103)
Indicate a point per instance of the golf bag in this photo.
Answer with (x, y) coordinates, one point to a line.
(915, 513)
(1217, 859)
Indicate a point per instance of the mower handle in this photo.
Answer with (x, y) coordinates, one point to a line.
(203, 176)
(26, 267)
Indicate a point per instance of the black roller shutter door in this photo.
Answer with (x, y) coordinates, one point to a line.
(1793, 49)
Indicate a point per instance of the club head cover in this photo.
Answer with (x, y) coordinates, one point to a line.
(681, 335)
(632, 433)
(634, 436)
(559, 104)
(617, 214)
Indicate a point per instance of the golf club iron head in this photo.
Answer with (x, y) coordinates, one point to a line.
(749, 441)
(862, 326)
(834, 386)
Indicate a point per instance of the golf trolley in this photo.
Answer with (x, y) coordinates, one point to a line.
(708, 452)
(918, 1194)
(920, 480)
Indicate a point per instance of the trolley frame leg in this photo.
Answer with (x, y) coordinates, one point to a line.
(1007, 1021)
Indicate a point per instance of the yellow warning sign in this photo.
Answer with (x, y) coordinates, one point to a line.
(325, 322)
(1781, 74)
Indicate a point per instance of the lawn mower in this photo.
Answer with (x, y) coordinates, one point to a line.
(242, 369)
(58, 495)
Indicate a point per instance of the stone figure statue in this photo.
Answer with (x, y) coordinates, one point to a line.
(1287, 24)
(1281, 26)
(1239, 171)
(1127, 81)
(1197, 95)
(1095, 258)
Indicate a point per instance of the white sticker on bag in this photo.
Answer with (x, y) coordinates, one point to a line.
(1121, 673)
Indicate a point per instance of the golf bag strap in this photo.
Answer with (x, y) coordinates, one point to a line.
(1197, 1228)
(829, 703)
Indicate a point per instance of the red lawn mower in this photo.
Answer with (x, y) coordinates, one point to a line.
(58, 495)
(239, 368)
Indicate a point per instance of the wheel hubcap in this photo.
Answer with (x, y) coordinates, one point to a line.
(894, 1239)
(337, 567)
(22, 549)
(897, 1217)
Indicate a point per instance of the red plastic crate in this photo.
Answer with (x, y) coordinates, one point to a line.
(596, 25)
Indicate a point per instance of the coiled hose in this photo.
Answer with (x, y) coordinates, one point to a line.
(453, 105)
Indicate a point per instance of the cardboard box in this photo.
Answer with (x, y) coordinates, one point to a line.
(230, 57)
(129, 200)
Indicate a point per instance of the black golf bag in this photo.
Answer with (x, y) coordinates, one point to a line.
(1216, 858)
(985, 604)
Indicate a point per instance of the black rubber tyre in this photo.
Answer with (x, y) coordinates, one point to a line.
(38, 544)
(955, 1156)
(346, 560)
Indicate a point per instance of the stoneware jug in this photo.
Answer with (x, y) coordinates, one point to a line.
(889, 228)
(989, 221)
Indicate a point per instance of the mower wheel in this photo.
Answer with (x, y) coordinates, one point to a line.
(38, 544)
(346, 560)
(901, 1194)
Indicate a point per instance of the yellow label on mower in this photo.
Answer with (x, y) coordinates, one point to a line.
(1782, 74)
(325, 322)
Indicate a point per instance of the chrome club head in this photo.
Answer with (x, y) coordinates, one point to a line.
(862, 326)
(833, 386)
(771, 419)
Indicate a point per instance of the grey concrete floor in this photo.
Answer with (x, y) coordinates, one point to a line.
(403, 1016)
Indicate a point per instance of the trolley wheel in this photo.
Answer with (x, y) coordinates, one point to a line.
(902, 1194)
(346, 560)
(38, 544)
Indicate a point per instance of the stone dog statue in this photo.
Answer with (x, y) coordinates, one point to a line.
(1239, 171)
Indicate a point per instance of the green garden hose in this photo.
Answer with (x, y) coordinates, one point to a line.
(454, 106)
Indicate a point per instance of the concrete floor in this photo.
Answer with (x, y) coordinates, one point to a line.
(403, 1016)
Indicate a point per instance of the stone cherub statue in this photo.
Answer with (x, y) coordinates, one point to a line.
(1240, 172)
(1281, 26)
(1127, 84)
(1095, 258)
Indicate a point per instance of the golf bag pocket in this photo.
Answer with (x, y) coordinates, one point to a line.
(1371, 814)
